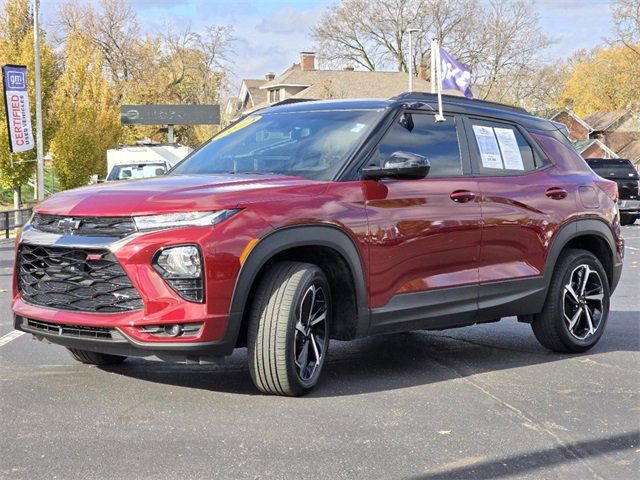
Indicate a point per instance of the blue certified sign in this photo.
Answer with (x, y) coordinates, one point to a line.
(15, 78)
(16, 100)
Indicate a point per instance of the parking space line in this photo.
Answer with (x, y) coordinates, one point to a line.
(10, 336)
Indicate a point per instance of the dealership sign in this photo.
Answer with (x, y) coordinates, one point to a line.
(17, 106)
(170, 114)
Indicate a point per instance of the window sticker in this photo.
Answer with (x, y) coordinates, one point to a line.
(510, 149)
(488, 146)
(358, 127)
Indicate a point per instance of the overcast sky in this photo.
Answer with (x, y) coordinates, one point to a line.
(270, 33)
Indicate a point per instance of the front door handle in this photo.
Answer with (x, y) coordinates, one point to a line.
(462, 196)
(556, 193)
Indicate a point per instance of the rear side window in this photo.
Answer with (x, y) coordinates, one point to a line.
(421, 134)
(500, 149)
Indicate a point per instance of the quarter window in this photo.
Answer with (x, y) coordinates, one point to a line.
(422, 135)
(500, 149)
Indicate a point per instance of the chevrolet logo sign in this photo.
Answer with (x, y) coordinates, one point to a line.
(68, 225)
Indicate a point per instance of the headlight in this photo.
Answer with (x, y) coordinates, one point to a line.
(170, 220)
(181, 268)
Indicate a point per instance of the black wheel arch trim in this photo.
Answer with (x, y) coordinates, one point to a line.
(282, 239)
(578, 228)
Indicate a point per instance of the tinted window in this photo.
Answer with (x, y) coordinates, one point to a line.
(312, 144)
(500, 149)
(122, 172)
(421, 134)
(613, 168)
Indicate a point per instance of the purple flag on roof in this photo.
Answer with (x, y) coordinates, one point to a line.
(455, 75)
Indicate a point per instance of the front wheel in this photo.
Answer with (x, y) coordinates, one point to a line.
(289, 329)
(95, 358)
(577, 306)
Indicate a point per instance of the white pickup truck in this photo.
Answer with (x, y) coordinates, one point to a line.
(143, 160)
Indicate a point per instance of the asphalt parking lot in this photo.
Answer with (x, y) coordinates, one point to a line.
(482, 402)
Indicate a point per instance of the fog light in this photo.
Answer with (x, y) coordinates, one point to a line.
(173, 330)
(181, 267)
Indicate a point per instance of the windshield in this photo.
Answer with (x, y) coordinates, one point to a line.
(307, 144)
(129, 171)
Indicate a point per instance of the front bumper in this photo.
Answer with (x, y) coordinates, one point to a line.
(162, 305)
(631, 207)
(117, 342)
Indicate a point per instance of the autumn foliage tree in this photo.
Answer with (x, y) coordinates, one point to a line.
(87, 115)
(177, 66)
(602, 80)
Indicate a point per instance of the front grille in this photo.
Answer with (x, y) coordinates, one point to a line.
(88, 226)
(64, 278)
(78, 331)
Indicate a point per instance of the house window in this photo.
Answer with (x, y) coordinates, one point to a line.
(274, 95)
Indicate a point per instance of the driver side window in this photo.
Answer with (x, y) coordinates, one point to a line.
(422, 135)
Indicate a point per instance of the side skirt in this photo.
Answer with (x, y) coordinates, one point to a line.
(459, 306)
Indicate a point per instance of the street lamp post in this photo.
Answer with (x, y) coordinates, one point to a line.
(39, 147)
(411, 31)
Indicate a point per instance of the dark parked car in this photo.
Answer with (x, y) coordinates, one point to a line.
(331, 219)
(621, 171)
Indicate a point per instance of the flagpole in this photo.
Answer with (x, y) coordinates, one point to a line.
(439, 115)
(410, 63)
(411, 31)
(433, 65)
(39, 147)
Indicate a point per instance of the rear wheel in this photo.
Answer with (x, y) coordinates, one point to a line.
(289, 329)
(627, 219)
(577, 306)
(95, 358)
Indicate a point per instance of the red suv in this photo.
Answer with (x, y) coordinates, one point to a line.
(333, 219)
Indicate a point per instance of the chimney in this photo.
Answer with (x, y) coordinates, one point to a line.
(422, 72)
(307, 61)
(269, 76)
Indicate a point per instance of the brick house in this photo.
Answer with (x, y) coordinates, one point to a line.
(304, 81)
(604, 134)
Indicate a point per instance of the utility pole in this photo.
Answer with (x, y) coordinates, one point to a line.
(411, 31)
(39, 146)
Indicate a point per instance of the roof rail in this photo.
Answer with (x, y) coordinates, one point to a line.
(458, 100)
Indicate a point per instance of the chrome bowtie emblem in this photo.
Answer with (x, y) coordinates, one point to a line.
(68, 225)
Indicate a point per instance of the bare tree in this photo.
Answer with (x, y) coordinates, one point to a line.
(500, 41)
(113, 28)
(626, 19)
(510, 48)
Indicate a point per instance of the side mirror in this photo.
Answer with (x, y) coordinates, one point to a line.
(400, 165)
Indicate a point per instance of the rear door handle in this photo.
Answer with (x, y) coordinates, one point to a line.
(556, 193)
(462, 196)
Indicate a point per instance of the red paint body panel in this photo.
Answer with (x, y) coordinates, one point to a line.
(411, 235)
(420, 238)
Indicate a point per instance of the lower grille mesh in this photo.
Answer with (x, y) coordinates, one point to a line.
(79, 331)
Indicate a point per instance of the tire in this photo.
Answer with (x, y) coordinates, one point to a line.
(627, 219)
(290, 315)
(95, 358)
(553, 326)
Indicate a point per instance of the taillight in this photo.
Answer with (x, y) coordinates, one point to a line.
(608, 187)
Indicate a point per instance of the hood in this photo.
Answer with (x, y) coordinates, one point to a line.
(177, 193)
